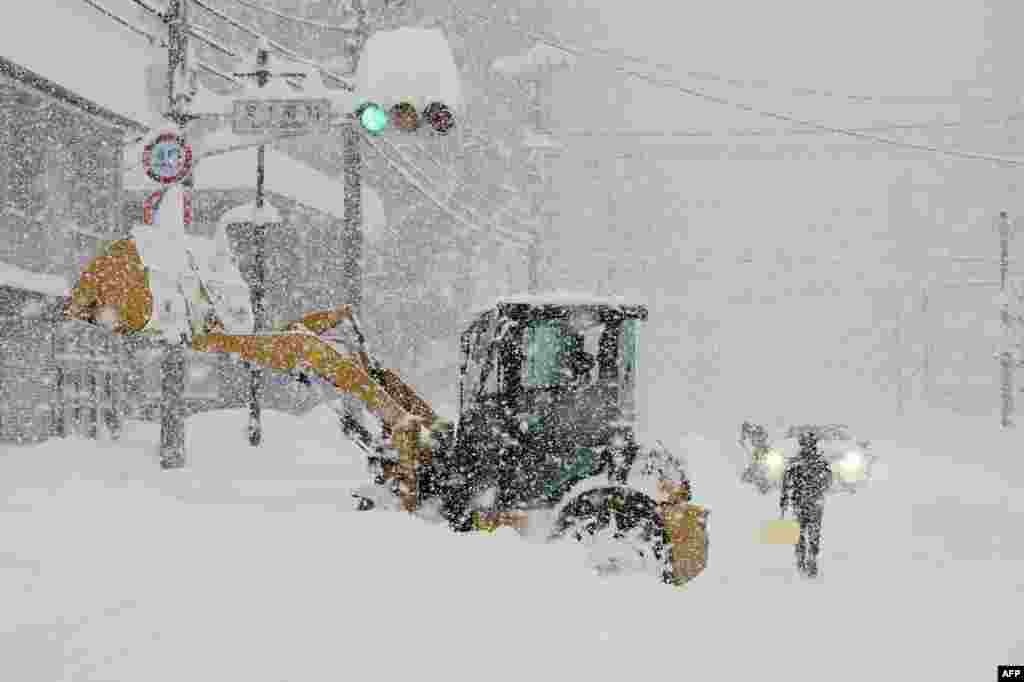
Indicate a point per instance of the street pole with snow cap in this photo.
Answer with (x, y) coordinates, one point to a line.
(173, 363)
(264, 110)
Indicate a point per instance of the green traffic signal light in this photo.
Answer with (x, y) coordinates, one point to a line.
(373, 118)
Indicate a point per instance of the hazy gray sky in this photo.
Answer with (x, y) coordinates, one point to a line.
(870, 46)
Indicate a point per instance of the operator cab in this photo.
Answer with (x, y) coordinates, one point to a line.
(528, 352)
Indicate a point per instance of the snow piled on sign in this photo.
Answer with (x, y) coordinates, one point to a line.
(223, 170)
(409, 64)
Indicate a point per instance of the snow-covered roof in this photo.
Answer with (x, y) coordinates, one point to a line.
(410, 63)
(282, 175)
(51, 285)
(559, 298)
(78, 48)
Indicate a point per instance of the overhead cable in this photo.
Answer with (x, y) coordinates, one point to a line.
(849, 132)
(779, 132)
(217, 72)
(153, 39)
(255, 33)
(343, 28)
(554, 41)
(410, 163)
(204, 36)
(149, 8)
(440, 203)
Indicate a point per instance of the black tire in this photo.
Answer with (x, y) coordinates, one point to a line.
(622, 528)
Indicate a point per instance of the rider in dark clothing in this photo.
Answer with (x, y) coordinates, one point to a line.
(803, 487)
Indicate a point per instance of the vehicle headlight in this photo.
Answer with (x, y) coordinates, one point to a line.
(774, 464)
(851, 467)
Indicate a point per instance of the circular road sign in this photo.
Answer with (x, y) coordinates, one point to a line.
(168, 158)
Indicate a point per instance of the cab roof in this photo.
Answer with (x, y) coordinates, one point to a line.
(553, 302)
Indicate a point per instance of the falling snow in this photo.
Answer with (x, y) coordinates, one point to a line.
(543, 325)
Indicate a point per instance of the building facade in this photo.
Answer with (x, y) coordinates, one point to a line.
(60, 183)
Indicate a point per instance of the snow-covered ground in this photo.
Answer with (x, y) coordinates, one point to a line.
(249, 565)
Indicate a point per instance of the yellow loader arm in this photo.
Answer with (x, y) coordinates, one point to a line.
(403, 412)
(115, 284)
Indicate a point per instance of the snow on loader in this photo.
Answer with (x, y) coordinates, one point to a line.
(545, 440)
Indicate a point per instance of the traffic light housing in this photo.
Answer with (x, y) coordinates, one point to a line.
(374, 119)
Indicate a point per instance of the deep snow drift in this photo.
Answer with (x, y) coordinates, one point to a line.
(249, 565)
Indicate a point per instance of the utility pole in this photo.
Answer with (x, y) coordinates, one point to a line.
(1008, 357)
(926, 369)
(352, 229)
(1007, 362)
(172, 383)
(259, 228)
(352, 172)
(262, 74)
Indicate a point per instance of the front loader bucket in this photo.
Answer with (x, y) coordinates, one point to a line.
(687, 527)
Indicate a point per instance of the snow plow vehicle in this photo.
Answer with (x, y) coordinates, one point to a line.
(545, 441)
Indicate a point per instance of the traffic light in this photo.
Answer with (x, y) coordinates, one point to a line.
(405, 117)
(440, 117)
(375, 119)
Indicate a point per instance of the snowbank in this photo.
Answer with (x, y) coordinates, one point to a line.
(248, 565)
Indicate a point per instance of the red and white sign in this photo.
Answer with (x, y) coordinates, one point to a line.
(167, 158)
(152, 205)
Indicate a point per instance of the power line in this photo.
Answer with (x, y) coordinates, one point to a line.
(409, 163)
(700, 94)
(870, 137)
(149, 8)
(217, 72)
(554, 41)
(440, 203)
(346, 85)
(849, 132)
(446, 206)
(779, 132)
(443, 205)
(452, 176)
(405, 159)
(153, 40)
(204, 36)
(547, 39)
(343, 28)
